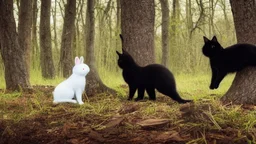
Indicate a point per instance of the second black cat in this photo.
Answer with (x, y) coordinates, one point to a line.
(228, 60)
(149, 78)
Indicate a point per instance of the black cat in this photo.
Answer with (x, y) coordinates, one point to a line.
(228, 60)
(147, 78)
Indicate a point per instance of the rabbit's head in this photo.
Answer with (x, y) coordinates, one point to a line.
(80, 68)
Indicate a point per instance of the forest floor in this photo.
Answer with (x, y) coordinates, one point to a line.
(31, 117)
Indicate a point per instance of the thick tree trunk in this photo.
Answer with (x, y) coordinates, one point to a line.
(13, 55)
(165, 32)
(243, 88)
(94, 84)
(46, 60)
(24, 30)
(66, 60)
(137, 25)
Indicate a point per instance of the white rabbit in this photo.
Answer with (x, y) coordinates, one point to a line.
(72, 87)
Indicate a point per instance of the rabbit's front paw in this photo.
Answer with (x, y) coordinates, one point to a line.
(81, 103)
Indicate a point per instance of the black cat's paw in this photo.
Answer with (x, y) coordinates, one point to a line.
(138, 99)
(129, 99)
(152, 99)
(184, 101)
(212, 87)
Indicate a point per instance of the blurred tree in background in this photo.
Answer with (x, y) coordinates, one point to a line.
(46, 59)
(24, 30)
(66, 54)
(165, 32)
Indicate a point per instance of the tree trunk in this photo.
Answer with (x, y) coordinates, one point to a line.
(243, 88)
(189, 20)
(66, 60)
(212, 6)
(174, 52)
(118, 21)
(165, 32)
(137, 25)
(24, 30)
(55, 38)
(94, 84)
(46, 60)
(35, 46)
(78, 32)
(118, 27)
(16, 75)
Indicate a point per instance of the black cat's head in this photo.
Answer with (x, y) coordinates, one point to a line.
(125, 60)
(211, 47)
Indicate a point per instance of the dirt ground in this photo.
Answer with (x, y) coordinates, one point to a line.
(125, 126)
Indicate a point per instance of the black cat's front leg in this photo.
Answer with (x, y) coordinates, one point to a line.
(214, 76)
(132, 90)
(219, 78)
(141, 92)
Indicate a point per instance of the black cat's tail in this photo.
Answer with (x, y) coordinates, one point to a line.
(175, 96)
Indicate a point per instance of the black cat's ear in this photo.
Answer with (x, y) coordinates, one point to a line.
(124, 51)
(118, 53)
(121, 37)
(214, 39)
(122, 40)
(206, 39)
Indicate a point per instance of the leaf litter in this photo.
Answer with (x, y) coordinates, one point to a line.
(32, 118)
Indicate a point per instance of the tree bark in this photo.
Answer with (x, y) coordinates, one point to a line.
(118, 27)
(137, 25)
(165, 32)
(35, 46)
(94, 84)
(189, 20)
(16, 75)
(46, 59)
(118, 21)
(24, 30)
(174, 52)
(243, 88)
(66, 60)
(55, 37)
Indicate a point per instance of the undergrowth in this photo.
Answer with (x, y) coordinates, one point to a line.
(203, 119)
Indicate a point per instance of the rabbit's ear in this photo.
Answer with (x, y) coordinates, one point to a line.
(77, 61)
(81, 59)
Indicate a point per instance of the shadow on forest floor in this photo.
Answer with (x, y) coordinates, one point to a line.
(32, 118)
